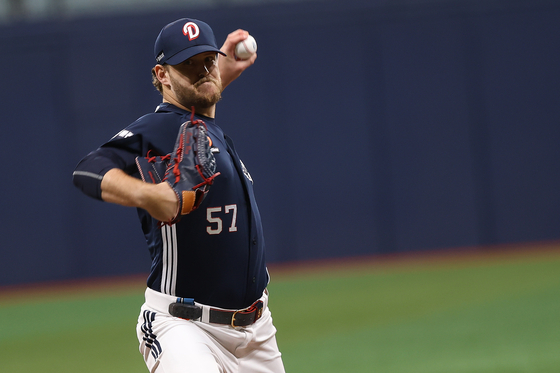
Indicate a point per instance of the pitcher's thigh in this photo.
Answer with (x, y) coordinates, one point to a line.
(179, 347)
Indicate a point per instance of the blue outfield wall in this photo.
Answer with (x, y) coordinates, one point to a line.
(367, 128)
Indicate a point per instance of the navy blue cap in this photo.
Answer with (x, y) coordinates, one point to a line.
(182, 39)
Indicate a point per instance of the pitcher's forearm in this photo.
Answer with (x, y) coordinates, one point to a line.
(122, 189)
(158, 199)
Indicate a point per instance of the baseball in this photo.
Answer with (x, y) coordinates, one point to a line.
(246, 48)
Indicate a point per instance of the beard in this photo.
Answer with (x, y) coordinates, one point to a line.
(192, 95)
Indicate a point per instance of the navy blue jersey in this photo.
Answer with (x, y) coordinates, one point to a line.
(215, 254)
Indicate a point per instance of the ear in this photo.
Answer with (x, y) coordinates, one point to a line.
(161, 73)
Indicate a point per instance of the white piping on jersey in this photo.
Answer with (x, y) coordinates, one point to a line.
(169, 259)
(88, 174)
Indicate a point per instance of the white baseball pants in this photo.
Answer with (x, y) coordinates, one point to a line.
(173, 345)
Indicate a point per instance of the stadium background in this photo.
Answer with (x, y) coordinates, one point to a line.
(370, 127)
(410, 147)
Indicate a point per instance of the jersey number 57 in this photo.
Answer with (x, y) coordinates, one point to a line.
(214, 216)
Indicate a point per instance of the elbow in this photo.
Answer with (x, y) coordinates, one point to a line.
(88, 182)
(89, 173)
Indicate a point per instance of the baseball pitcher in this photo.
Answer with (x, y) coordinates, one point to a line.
(206, 302)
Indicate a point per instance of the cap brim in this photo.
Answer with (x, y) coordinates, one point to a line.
(185, 54)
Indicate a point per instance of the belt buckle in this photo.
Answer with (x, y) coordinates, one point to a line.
(256, 307)
(233, 318)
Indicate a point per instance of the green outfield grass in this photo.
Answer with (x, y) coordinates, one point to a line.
(464, 314)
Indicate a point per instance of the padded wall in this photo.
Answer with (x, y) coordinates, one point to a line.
(367, 128)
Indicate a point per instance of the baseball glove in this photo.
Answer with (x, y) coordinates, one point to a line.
(190, 170)
(152, 168)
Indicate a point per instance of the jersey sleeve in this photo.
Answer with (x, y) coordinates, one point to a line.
(117, 153)
(155, 132)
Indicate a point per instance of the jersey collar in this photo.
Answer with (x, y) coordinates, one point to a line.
(166, 107)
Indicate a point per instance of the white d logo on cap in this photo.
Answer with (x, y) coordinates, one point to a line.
(191, 30)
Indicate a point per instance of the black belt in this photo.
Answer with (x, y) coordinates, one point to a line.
(242, 317)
